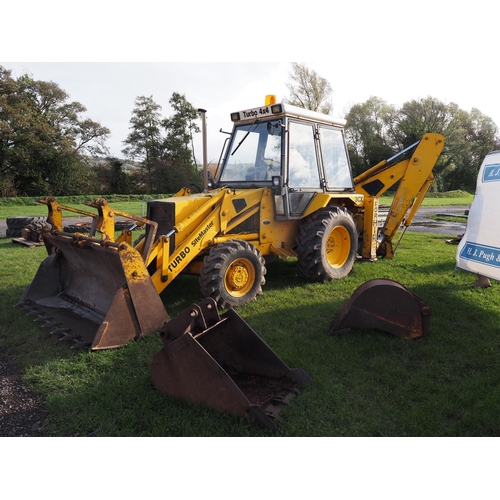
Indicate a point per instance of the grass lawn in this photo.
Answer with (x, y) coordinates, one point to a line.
(365, 383)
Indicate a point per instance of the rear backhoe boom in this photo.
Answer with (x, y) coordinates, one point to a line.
(412, 168)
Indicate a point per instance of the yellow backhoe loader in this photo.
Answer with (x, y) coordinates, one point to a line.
(283, 188)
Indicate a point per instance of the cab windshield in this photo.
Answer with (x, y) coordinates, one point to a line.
(254, 153)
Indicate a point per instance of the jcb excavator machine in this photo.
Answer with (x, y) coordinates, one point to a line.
(283, 188)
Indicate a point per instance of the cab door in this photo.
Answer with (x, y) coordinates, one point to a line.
(302, 177)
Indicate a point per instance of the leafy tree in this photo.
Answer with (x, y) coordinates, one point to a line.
(368, 134)
(469, 137)
(308, 90)
(418, 116)
(178, 145)
(375, 131)
(43, 140)
(110, 177)
(145, 141)
(164, 145)
(180, 128)
(481, 137)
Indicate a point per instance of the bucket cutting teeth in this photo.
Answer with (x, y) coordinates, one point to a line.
(60, 331)
(67, 337)
(81, 345)
(50, 324)
(57, 329)
(41, 318)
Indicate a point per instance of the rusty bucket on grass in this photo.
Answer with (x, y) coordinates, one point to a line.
(386, 305)
(218, 361)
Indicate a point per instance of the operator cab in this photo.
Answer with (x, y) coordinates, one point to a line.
(295, 151)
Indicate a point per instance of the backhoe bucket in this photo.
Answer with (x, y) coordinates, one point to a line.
(386, 305)
(94, 292)
(221, 363)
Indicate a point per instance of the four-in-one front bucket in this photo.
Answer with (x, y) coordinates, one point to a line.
(96, 295)
(220, 362)
(96, 292)
(386, 305)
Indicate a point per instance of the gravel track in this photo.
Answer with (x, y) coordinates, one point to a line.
(22, 412)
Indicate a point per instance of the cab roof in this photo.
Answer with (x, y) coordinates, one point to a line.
(282, 109)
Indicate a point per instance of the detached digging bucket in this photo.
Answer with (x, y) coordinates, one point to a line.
(384, 304)
(95, 293)
(221, 363)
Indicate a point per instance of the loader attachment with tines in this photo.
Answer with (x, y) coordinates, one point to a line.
(218, 361)
(94, 291)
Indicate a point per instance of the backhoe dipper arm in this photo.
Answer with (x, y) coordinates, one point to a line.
(412, 167)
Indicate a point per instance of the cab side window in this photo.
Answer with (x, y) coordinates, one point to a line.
(337, 170)
(302, 160)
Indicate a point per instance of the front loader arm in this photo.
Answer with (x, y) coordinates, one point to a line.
(412, 167)
(206, 226)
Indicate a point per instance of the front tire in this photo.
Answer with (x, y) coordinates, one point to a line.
(232, 273)
(327, 244)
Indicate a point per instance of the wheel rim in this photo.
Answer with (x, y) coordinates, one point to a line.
(338, 246)
(239, 277)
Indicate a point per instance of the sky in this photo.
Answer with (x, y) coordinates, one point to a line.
(227, 62)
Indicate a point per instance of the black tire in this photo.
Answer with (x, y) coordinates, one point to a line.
(120, 225)
(327, 244)
(76, 229)
(13, 233)
(139, 239)
(22, 222)
(232, 273)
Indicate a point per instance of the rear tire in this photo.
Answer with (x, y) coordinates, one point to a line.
(233, 273)
(13, 233)
(76, 229)
(22, 222)
(327, 244)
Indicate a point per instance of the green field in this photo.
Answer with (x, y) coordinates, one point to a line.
(136, 205)
(365, 383)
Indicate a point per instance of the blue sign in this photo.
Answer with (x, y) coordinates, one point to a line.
(491, 173)
(484, 254)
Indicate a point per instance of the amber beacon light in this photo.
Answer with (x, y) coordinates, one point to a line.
(270, 99)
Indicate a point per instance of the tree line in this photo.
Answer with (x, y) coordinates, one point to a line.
(48, 146)
(43, 138)
(376, 130)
